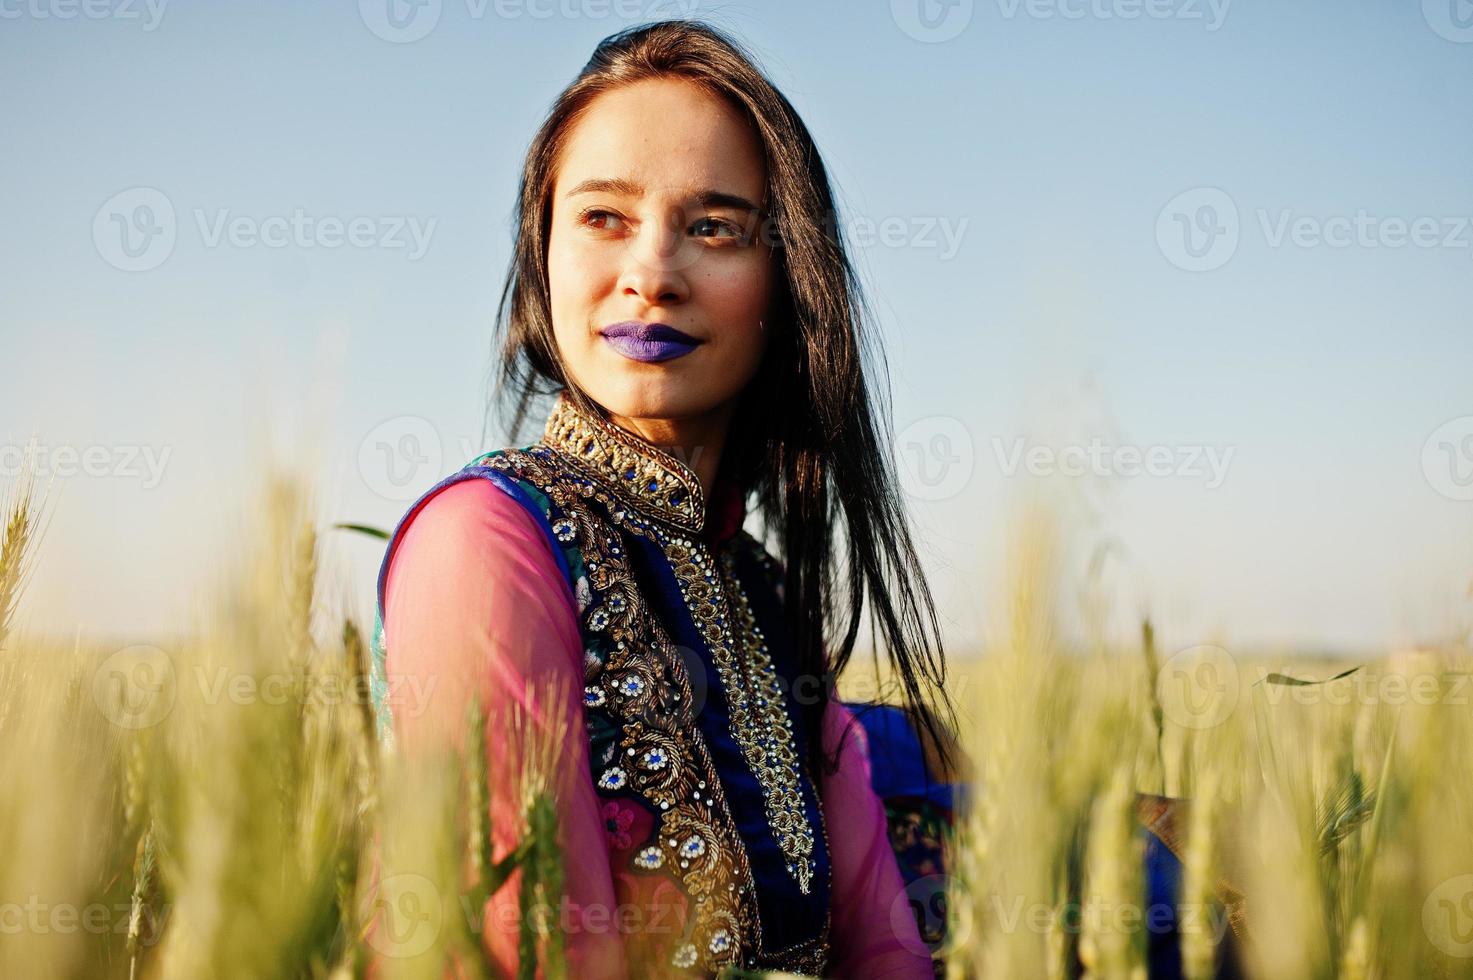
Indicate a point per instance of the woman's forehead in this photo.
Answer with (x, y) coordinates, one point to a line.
(663, 138)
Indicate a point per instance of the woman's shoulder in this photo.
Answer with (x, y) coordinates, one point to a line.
(475, 511)
(482, 499)
(472, 524)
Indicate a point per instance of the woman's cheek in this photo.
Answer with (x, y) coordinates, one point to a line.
(573, 285)
(742, 302)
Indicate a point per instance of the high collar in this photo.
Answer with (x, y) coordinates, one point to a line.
(643, 475)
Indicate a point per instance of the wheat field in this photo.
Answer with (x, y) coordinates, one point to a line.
(220, 808)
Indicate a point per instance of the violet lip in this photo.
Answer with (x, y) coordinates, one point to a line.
(648, 342)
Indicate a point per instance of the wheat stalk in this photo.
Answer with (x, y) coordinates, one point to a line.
(20, 538)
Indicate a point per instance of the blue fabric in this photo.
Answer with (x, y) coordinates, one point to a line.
(1162, 886)
(898, 765)
(1163, 872)
(788, 917)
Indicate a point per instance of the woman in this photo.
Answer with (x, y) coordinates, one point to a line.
(678, 284)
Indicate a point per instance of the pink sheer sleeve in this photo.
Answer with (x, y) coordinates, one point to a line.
(475, 601)
(874, 934)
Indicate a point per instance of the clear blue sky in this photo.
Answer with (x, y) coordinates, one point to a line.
(1051, 138)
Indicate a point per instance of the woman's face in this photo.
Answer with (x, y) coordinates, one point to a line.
(655, 221)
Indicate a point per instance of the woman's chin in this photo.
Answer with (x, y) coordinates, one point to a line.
(664, 396)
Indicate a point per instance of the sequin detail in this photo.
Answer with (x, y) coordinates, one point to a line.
(645, 476)
(759, 717)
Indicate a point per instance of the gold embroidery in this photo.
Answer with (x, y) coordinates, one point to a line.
(760, 723)
(646, 476)
(770, 744)
(759, 718)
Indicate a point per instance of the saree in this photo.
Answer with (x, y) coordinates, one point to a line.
(591, 562)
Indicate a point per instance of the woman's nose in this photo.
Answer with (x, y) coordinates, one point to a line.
(657, 262)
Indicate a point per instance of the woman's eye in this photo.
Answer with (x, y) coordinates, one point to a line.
(599, 218)
(709, 227)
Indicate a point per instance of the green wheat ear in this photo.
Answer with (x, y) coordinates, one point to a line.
(20, 537)
(478, 818)
(143, 874)
(368, 529)
(1346, 810)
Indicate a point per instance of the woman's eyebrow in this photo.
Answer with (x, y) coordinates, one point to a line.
(723, 199)
(709, 198)
(607, 185)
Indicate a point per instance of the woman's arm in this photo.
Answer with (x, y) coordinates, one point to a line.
(475, 602)
(874, 933)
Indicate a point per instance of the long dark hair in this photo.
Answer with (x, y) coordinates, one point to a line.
(811, 448)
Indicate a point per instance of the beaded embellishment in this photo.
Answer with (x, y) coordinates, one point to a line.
(661, 484)
(759, 720)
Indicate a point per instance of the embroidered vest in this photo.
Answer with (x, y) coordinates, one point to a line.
(688, 705)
